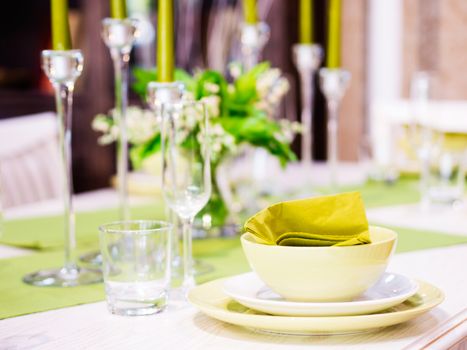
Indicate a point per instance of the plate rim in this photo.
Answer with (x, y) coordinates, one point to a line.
(288, 324)
(299, 304)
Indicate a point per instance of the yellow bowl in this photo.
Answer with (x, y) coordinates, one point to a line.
(321, 273)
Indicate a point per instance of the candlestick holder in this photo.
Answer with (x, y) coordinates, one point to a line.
(63, 68)
(119, 36)
(307, 58)
(253, 39)
(334, 83)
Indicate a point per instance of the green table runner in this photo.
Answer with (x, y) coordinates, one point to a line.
(381, 194)
(46, 232)
(17, 298)
(225, 255)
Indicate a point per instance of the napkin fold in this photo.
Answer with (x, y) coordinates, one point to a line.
(336, 220)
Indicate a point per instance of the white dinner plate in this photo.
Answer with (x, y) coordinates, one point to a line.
(211, 299)
(249, 290)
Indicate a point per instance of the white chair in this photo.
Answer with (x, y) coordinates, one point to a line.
(29, 159)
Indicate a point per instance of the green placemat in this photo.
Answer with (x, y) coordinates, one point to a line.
(225, 255)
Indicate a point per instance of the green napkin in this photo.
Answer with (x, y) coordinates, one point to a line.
(338, 220)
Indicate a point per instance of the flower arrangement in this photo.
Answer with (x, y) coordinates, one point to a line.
(240, 111)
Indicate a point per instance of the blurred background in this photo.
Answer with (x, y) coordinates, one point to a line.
(385, 43)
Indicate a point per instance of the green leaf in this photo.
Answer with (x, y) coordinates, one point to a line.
(261, 132)
(142, 78)
(139, 153)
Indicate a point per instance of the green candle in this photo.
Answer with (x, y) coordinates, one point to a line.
(165, 41)
(306, 27)
(118, 9)
(334, 34)
(249, 11)
(60, 28)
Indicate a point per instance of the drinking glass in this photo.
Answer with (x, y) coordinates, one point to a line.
(445, 171)
(136, 266)
(186, 170)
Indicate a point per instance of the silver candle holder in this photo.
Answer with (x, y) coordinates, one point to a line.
(119, 36)
(63, 68)
(253, 39)
(307, 59)
(334, 83)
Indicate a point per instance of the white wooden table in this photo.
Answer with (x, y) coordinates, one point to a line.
(92, 327)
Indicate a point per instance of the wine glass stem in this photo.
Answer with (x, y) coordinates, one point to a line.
(120, 61)
(333, 107)
(64, 102)
(188, 276)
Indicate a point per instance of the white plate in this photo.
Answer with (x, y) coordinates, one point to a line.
(211, 300)
(248, 289)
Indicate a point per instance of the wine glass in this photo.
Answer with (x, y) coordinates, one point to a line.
(186, 169)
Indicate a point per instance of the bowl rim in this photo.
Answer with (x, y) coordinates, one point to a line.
(393, 237)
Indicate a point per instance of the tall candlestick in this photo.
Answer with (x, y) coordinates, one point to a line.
(60, 28)
(306, 23)
(165, 42)
(249, 11)
(118, 9)
(334, 34)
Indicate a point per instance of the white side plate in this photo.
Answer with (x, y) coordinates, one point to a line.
(249, 290)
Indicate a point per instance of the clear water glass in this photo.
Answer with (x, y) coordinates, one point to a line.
(136, 266)
(445, 177)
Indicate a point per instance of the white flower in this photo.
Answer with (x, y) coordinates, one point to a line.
(219, 140)
(188, 96)
(267, 80)
(235, 69)
(288, 130)
(212, 105)
(101, 123)
(105, 139)
(211, 87)
(141, 125)
(271, 88)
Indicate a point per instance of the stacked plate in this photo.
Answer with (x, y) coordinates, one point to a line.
(245, 300)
